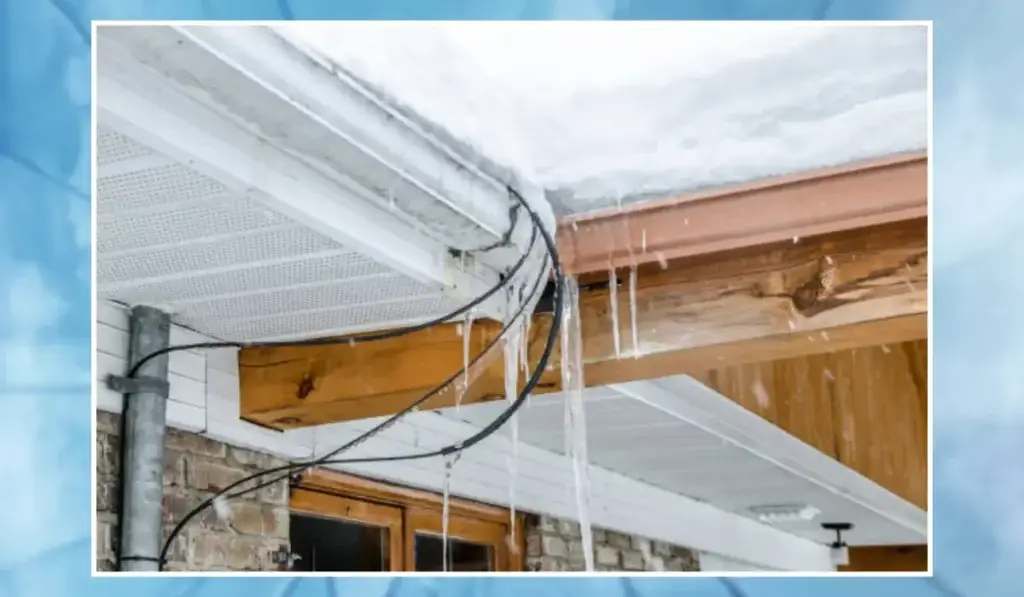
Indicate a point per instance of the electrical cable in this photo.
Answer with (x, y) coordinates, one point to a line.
(552, 259)
(290, 469)
(326, 340)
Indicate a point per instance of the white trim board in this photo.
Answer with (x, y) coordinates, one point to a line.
(691, 401)
(543, 483)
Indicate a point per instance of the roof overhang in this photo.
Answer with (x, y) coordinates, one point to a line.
(246, 108)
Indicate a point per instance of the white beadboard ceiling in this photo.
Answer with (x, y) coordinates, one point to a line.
(225, 264)
(699, 452)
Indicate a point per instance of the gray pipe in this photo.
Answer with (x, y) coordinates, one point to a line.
(144, 425)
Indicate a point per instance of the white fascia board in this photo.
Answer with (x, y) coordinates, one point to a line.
(439, 184)
(135, 99)
(689, 400)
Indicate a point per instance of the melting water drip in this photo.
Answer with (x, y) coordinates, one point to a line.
(524, 350)
(467, 333)
(575, 423)
(632, 312)
(613, 297)
(449, 464)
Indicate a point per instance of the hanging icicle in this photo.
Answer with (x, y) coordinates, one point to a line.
(632, 312)
(467, 334)
(575, 423)
(613, 298)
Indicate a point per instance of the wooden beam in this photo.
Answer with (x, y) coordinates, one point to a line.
(861, 406)
(822, 294)
(888, 558)
(857, 195)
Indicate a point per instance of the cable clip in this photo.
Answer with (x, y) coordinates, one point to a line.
(139, 385)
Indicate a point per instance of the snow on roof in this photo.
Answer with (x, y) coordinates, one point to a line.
(604, 113)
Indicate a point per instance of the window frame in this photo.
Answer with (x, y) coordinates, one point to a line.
(338, 495)
(322, 505)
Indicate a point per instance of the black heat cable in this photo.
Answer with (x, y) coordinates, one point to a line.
(496, 424)
(326, 340)
(290, 469)
(133, 371)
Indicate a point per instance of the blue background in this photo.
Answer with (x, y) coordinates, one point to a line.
(45, 546)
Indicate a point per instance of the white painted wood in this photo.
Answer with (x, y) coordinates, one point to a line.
(186, 406)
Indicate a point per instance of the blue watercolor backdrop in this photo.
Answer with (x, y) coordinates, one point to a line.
(45, 547)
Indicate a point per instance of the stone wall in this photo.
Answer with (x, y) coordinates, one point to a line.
(557, 546)
(194, 467)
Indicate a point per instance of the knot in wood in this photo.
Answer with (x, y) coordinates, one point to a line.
(806, 296)
(305, 387)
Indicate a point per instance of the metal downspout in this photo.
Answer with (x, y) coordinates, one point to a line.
(143, 429)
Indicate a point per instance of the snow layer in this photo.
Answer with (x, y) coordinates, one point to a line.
(603, 113)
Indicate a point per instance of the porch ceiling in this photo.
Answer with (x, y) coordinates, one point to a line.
(699, 451)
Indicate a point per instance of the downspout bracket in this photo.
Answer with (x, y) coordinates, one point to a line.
(139, 385)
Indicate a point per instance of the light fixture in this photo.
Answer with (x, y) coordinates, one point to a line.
(840, 550)
(782, 513)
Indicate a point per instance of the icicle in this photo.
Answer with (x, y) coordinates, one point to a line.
(763, 399)
(662, 260)
(467, 334)
(449, 463)
(613, 297)
(632, 312)
(524, 348)
(511, 393)
(575, 423)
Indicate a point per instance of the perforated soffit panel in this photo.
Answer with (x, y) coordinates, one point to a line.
(629, 437)
(227, 266)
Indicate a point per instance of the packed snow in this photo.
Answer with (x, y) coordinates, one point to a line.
(603, 113)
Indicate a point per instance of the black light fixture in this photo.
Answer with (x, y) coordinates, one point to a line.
(840, 550)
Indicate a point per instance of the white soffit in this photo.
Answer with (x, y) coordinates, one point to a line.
(210, 204)
(680, 436)
(225, 264)
(606, 112)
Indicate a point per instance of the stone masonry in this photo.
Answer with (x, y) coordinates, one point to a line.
(257, 525)
(554, 545)
(194, 467)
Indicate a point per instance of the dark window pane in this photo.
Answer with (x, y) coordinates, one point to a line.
(331, 545)
(462, 555)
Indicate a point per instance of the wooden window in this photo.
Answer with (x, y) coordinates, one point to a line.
(342, 523)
